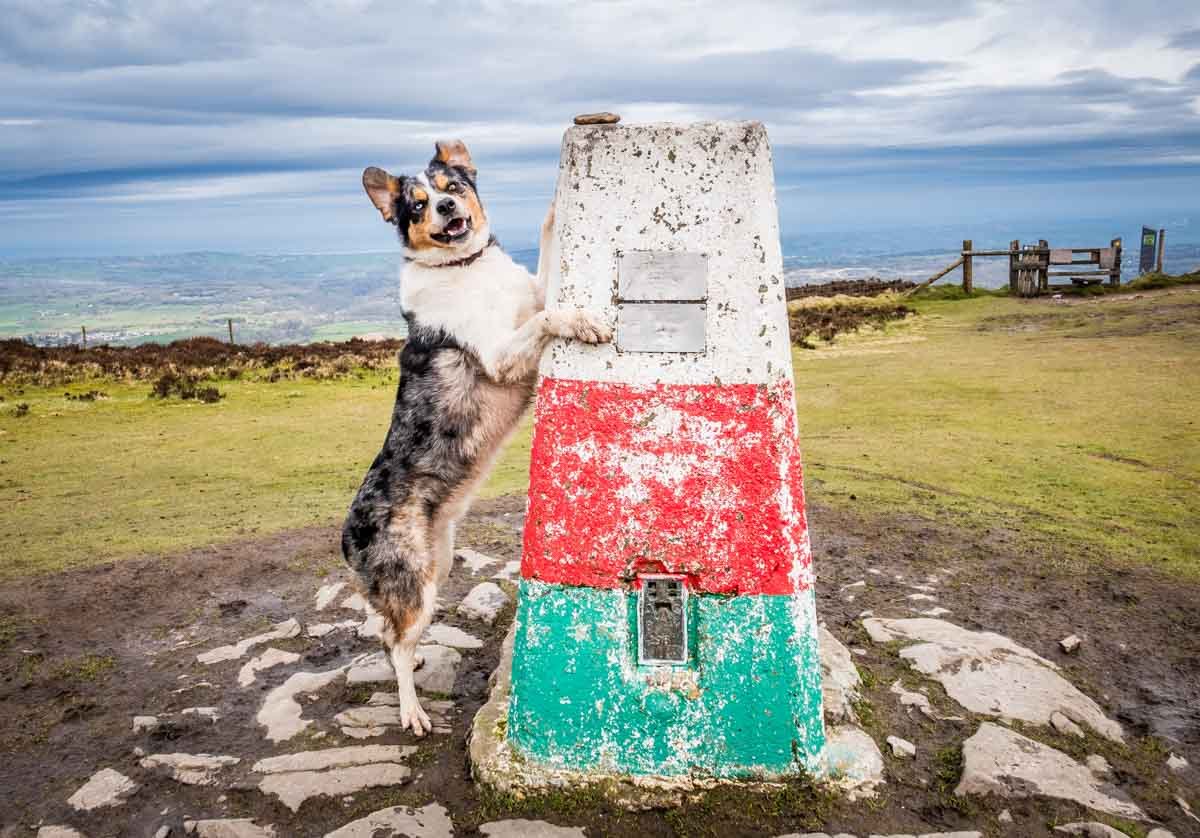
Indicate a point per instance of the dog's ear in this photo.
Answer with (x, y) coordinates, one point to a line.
(382, 189)
(454, 153)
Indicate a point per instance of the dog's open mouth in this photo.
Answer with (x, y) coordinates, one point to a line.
(455, 228)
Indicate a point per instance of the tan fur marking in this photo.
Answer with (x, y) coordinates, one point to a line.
(471, 200)
(440, 182)
(420, 194)
(454, 153)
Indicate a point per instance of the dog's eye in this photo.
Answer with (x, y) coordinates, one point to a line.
(419, 206)
(454, 187)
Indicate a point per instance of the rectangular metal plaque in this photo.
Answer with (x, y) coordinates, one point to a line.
(1149, 245)
(662, 619)
(661, 275)
(661, 327)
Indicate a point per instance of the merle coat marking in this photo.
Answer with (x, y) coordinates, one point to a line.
(477, 328)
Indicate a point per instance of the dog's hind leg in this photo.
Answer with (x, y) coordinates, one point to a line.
(403, 627)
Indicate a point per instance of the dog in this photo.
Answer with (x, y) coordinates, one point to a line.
(477, 327)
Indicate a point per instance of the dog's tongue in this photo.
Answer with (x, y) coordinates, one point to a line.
(456, 226)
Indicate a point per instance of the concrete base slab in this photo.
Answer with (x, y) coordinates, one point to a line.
(857, 767)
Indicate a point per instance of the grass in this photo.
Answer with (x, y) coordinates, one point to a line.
(1074, 425)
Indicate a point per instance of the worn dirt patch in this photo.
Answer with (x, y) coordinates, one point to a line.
(81, 653)
(1103, 316)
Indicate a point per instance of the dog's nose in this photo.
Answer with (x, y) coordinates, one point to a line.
(446, 206)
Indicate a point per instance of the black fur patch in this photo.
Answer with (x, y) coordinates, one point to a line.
(424, 459)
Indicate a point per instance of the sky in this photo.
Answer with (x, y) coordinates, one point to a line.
(137, 126)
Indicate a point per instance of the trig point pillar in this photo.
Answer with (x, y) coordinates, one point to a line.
(666, 623)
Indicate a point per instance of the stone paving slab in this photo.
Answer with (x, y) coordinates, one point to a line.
(227, 828)
(989, 674)
(295, 787)
(190, 769)
(999, 761)
(282, 631)
(430, 821)
(106, 787)
(529, 829)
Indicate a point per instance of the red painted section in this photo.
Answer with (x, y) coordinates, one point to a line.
(702, 480)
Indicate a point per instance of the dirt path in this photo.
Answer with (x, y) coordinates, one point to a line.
(82, 653)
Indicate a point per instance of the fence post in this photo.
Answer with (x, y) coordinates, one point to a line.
(968, 271)
(1044, 270)
(83, 329)
(1158, 262)
(1014, 248)
(1115, 276)
(230, 330)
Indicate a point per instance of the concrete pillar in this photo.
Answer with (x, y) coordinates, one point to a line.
(666, 622)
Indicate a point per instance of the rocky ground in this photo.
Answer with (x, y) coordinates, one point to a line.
(237, 691)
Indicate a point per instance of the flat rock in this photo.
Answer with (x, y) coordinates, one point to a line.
(1159, 832)
(190, 769)
(59, 832)
(452, 636)
(356, 602)
(902, 748)
(1098, 765)
(991, 675)
(333, 758)
(227, 828)
(1176, 763)
(436, 675)
(483, 602)
(507, 572)
(322, 629)
(430, 821)
(854, 758)
(475, 562)
(210, 713)
(840, 681)
(999, 761)
(268, 659)
(106, 787)
(372, 627)
(1090, 829)
(281, 714)
(282, 631)
(378, 716)
(529, 829)
(1071, 643)
(601, 118)
(1064, 725)
(294, 787)
(937, 611)
(920, 701)
(145, 724)
(326, 594)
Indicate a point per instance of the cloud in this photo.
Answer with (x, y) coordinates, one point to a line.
(221, 102)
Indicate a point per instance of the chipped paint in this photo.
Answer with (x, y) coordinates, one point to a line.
(747, 704)
(668, 462)
(701, 480)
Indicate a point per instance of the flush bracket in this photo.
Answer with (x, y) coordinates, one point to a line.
(662, 619)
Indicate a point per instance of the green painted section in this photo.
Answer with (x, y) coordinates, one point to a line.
(748, 703)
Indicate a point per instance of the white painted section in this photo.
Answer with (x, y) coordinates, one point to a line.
(706, 188)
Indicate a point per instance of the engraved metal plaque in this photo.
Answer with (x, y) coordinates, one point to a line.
(662, 619)
(661, 327)
(662, 275)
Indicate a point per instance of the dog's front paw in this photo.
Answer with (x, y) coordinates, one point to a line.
(414, 717)
(586, 328)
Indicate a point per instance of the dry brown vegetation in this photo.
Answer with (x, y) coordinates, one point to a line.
(182, 363)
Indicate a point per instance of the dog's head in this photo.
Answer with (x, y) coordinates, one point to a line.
(437, 213)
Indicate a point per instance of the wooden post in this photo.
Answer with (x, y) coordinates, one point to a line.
(231, 330)
(1158, 261)
(968, 272)
(1043, 271)
(1115, 276)
(1014, 248)
(83, 330)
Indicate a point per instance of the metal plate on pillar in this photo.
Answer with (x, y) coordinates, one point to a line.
(662, 619)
